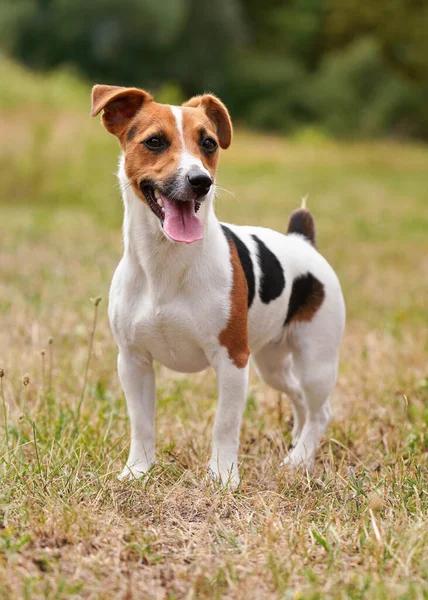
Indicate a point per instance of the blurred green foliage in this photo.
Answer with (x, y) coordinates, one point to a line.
(350, 68)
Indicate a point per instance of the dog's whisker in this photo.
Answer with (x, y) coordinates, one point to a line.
(223, 189)
(128, 185)
(119, 187)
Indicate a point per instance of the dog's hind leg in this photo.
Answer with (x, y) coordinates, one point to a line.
(315, 363)
(274, 364)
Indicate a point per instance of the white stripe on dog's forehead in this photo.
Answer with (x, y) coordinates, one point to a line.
(178, 114)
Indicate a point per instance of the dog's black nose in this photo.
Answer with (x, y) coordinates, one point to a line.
(199, 181)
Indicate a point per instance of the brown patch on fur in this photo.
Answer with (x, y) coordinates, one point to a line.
(142, 164)
(119, 104)
(217, 113)
(234, 336)
(306, 297)
(301, 221)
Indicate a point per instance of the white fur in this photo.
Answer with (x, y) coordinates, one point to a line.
(169, 302)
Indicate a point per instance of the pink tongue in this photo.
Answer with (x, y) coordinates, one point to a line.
(181, 223)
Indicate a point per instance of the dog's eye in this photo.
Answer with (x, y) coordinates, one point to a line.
(209, 145)
(155, 143)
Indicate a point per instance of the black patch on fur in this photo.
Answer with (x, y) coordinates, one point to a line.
(245, 260)
(131, 132)
(301, 221)
(272, 280)
(307, 295)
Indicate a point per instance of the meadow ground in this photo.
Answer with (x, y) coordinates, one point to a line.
(357, 528)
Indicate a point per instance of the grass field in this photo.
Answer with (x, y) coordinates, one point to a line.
(357, 528)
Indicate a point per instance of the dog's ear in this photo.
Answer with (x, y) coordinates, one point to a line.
(217, 114)
(120, 104)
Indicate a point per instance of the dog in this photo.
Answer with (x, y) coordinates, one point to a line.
(191, 292)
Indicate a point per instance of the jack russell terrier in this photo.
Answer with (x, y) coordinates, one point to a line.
(191, 292)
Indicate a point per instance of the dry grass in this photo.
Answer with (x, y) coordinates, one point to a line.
(357, 528)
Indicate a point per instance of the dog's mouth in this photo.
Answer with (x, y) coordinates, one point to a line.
(178, 217)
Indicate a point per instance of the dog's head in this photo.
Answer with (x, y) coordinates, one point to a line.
(171, 152)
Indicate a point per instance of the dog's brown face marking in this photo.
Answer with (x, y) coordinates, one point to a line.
(307, 295)
(143, 164)
(135, 118)
(234, 336)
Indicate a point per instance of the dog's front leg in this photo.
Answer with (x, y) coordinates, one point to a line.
(232, 383)
(138, 382)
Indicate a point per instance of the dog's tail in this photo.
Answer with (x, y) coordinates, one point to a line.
(301, 221)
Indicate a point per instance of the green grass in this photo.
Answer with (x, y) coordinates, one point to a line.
(357, 528)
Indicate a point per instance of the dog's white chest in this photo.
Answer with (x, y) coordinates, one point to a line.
(172, 338)
(168, 332)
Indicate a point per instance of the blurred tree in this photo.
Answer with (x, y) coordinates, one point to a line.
(130, 41)
(399, 26)
(400, 29)
(278, 64)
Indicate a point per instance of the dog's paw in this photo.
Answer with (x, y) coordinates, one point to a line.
(227, 478)
(133, 471)
(296, 461)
